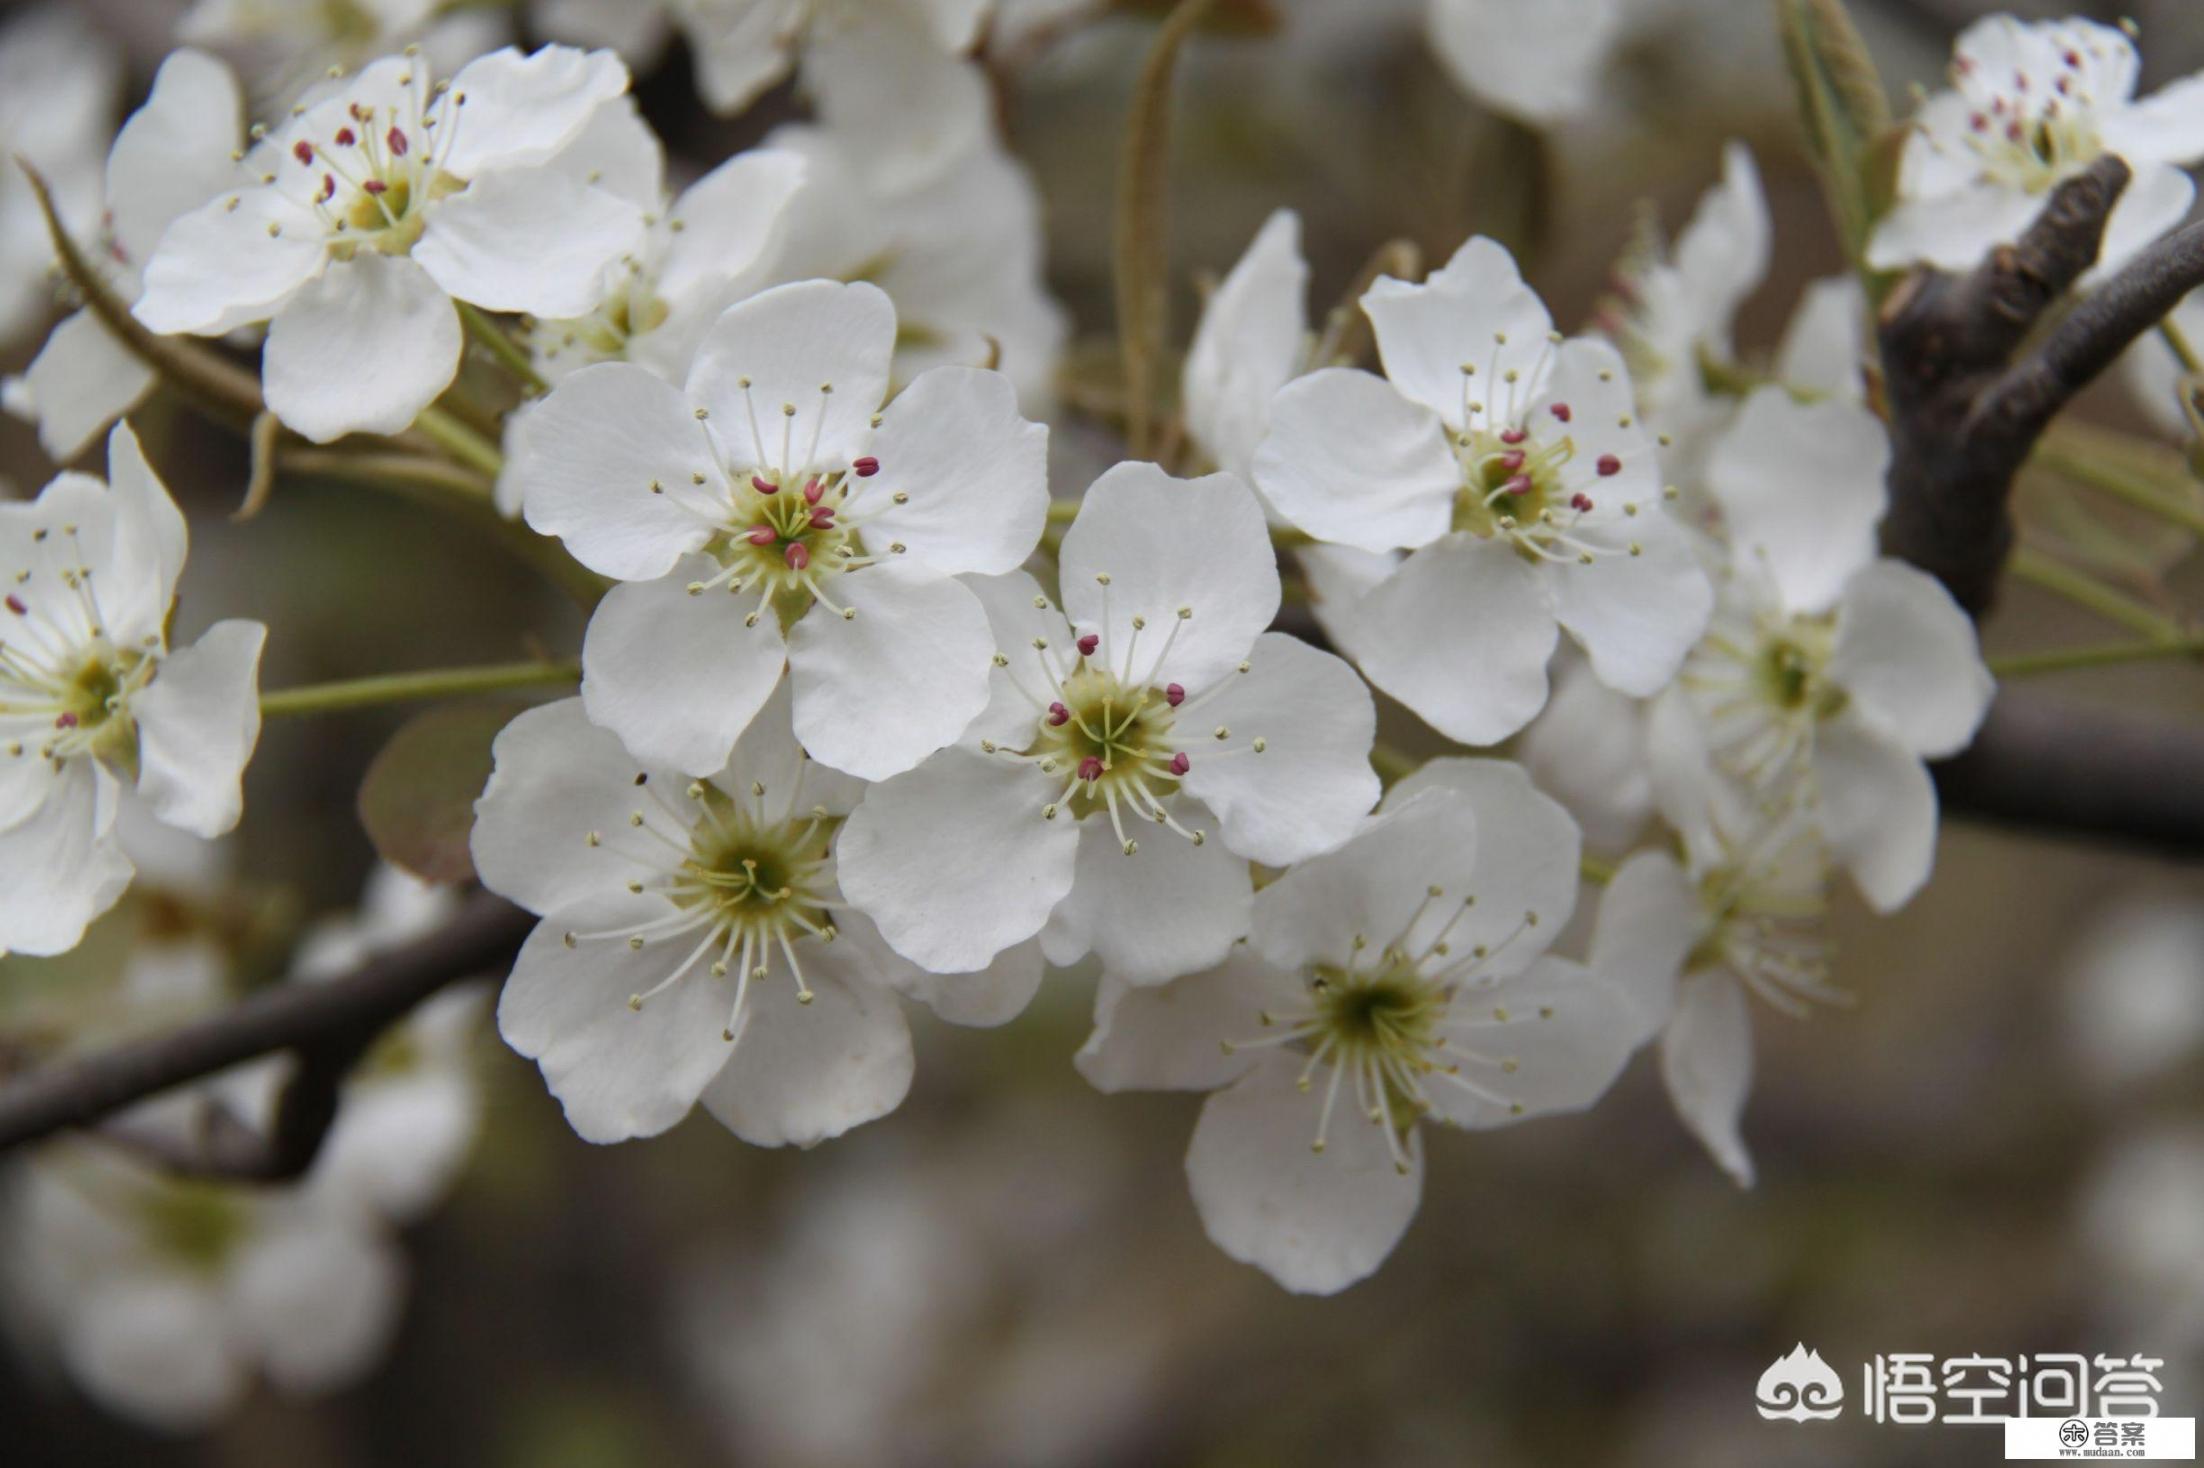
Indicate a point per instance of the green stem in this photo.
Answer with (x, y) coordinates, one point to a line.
(2022, 664)
(460, 441)
(1596, 870)
(2063, 455)
(353, 693)
(2178, 340)
(500, 344)
(2039, 569)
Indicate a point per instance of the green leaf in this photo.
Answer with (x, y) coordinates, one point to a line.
(417, 800)
(1845, 112)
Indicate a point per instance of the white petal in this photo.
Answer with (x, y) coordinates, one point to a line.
(620, 1072)
(1017, 613)
(1910, 659)
(363, 349)
(878, 692)
(802, 1073)
(174, 153)
(1312, 784)
(1175, 1036)
(1526, 859)
(1877, 806)
(1476, 313)
(1952, 231)
(1801, 488)
(151, 1349)
(617, 151)
(1706, 1059)
(197, 724)
(64, 867)
(679, 674)
(223, 266)
(1649, 921)
(995, 995)
(1338, 578)
(1198, 547)
(1552, 1040)
(529, 240)
(2165, 127)
(1377, 887)
(1170, 908)
(1352, 462)
(522, 109)
(150, 541)
(1537, 60)
(2157, 200)
(317, 1302)
(910, 109)
(1314, 1221)
(1248, 342)
(1588, 748)
(1640, 606)
(729, 218)
(739, 56)
(1722, 254)
(588, 459)
(81, 380)
(1462, 634)
(399, 1142)
(774, 352)
(555, 779)
(954, 861)
(1825, 344)
(976, 474)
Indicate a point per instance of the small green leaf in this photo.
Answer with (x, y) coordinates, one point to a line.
(417, 800)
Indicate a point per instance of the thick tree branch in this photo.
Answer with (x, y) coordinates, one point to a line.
(327, 1026)
(2084, 772)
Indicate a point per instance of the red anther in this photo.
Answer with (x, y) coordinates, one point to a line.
(2073, 58)
(761, 535)
(1180, 764)
(798, 556)
(823, 518)
(359, 113)
(1090, 768)
(866, 467)
(2065, 85)
(763, 485)
(1609, 466)
(346, 137)
(1561, 411)
(397, 142)
(328, 187)
(1512, 460)
(1581, 502)
(375, 186)
(2020, 80)
(303, 151)
(1513, 435)
(1980, 123)
(1058, 715)
(813, 489)
(1174, 695)
(66, 721)
(1520, 484)
(1088, 644)
(2014, 132)
(15, 605)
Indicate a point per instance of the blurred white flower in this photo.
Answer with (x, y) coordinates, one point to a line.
(2135, 990)
(1587, 749)
(174, 153)
(1155, 697)
(1513, 466)
(1253, 338)
(1401, 976)
(92, 698)
(1538, 61)
(163, 1299)
(682, 918)
(284, 46)
(58, 92)
(1827, 674)
(2137, 1221)
(771, 512)
(2155, 375)
(2030, 106)
(380, 204)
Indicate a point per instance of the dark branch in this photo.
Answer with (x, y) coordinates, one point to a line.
(327, 1026)
(2082, 771)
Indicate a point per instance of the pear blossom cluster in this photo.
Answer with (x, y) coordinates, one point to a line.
(878, 708)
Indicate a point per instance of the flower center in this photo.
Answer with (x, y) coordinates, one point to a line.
(1765, 680)
(65, 687)
(196, 1225)
(1766, 924)
(2027, 133)
(369, 181)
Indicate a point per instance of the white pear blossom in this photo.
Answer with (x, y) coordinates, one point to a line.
(771, 512)
(1538, 61)
(1742, 916)
(1512, 464)
(1253, 338)
(286, 45)
(1827, 674)
(2135, 990)
(93, 698)
(163, 1299)
(694, 944)
(2032, 104)
(1399, 978)
(58, 86)
(377, 207)
(174, 153)
(1155, 698)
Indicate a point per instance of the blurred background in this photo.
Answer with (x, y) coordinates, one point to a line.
(1998, 1151)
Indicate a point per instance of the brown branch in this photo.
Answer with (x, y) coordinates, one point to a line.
(2084, 772)
(326, 1025)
